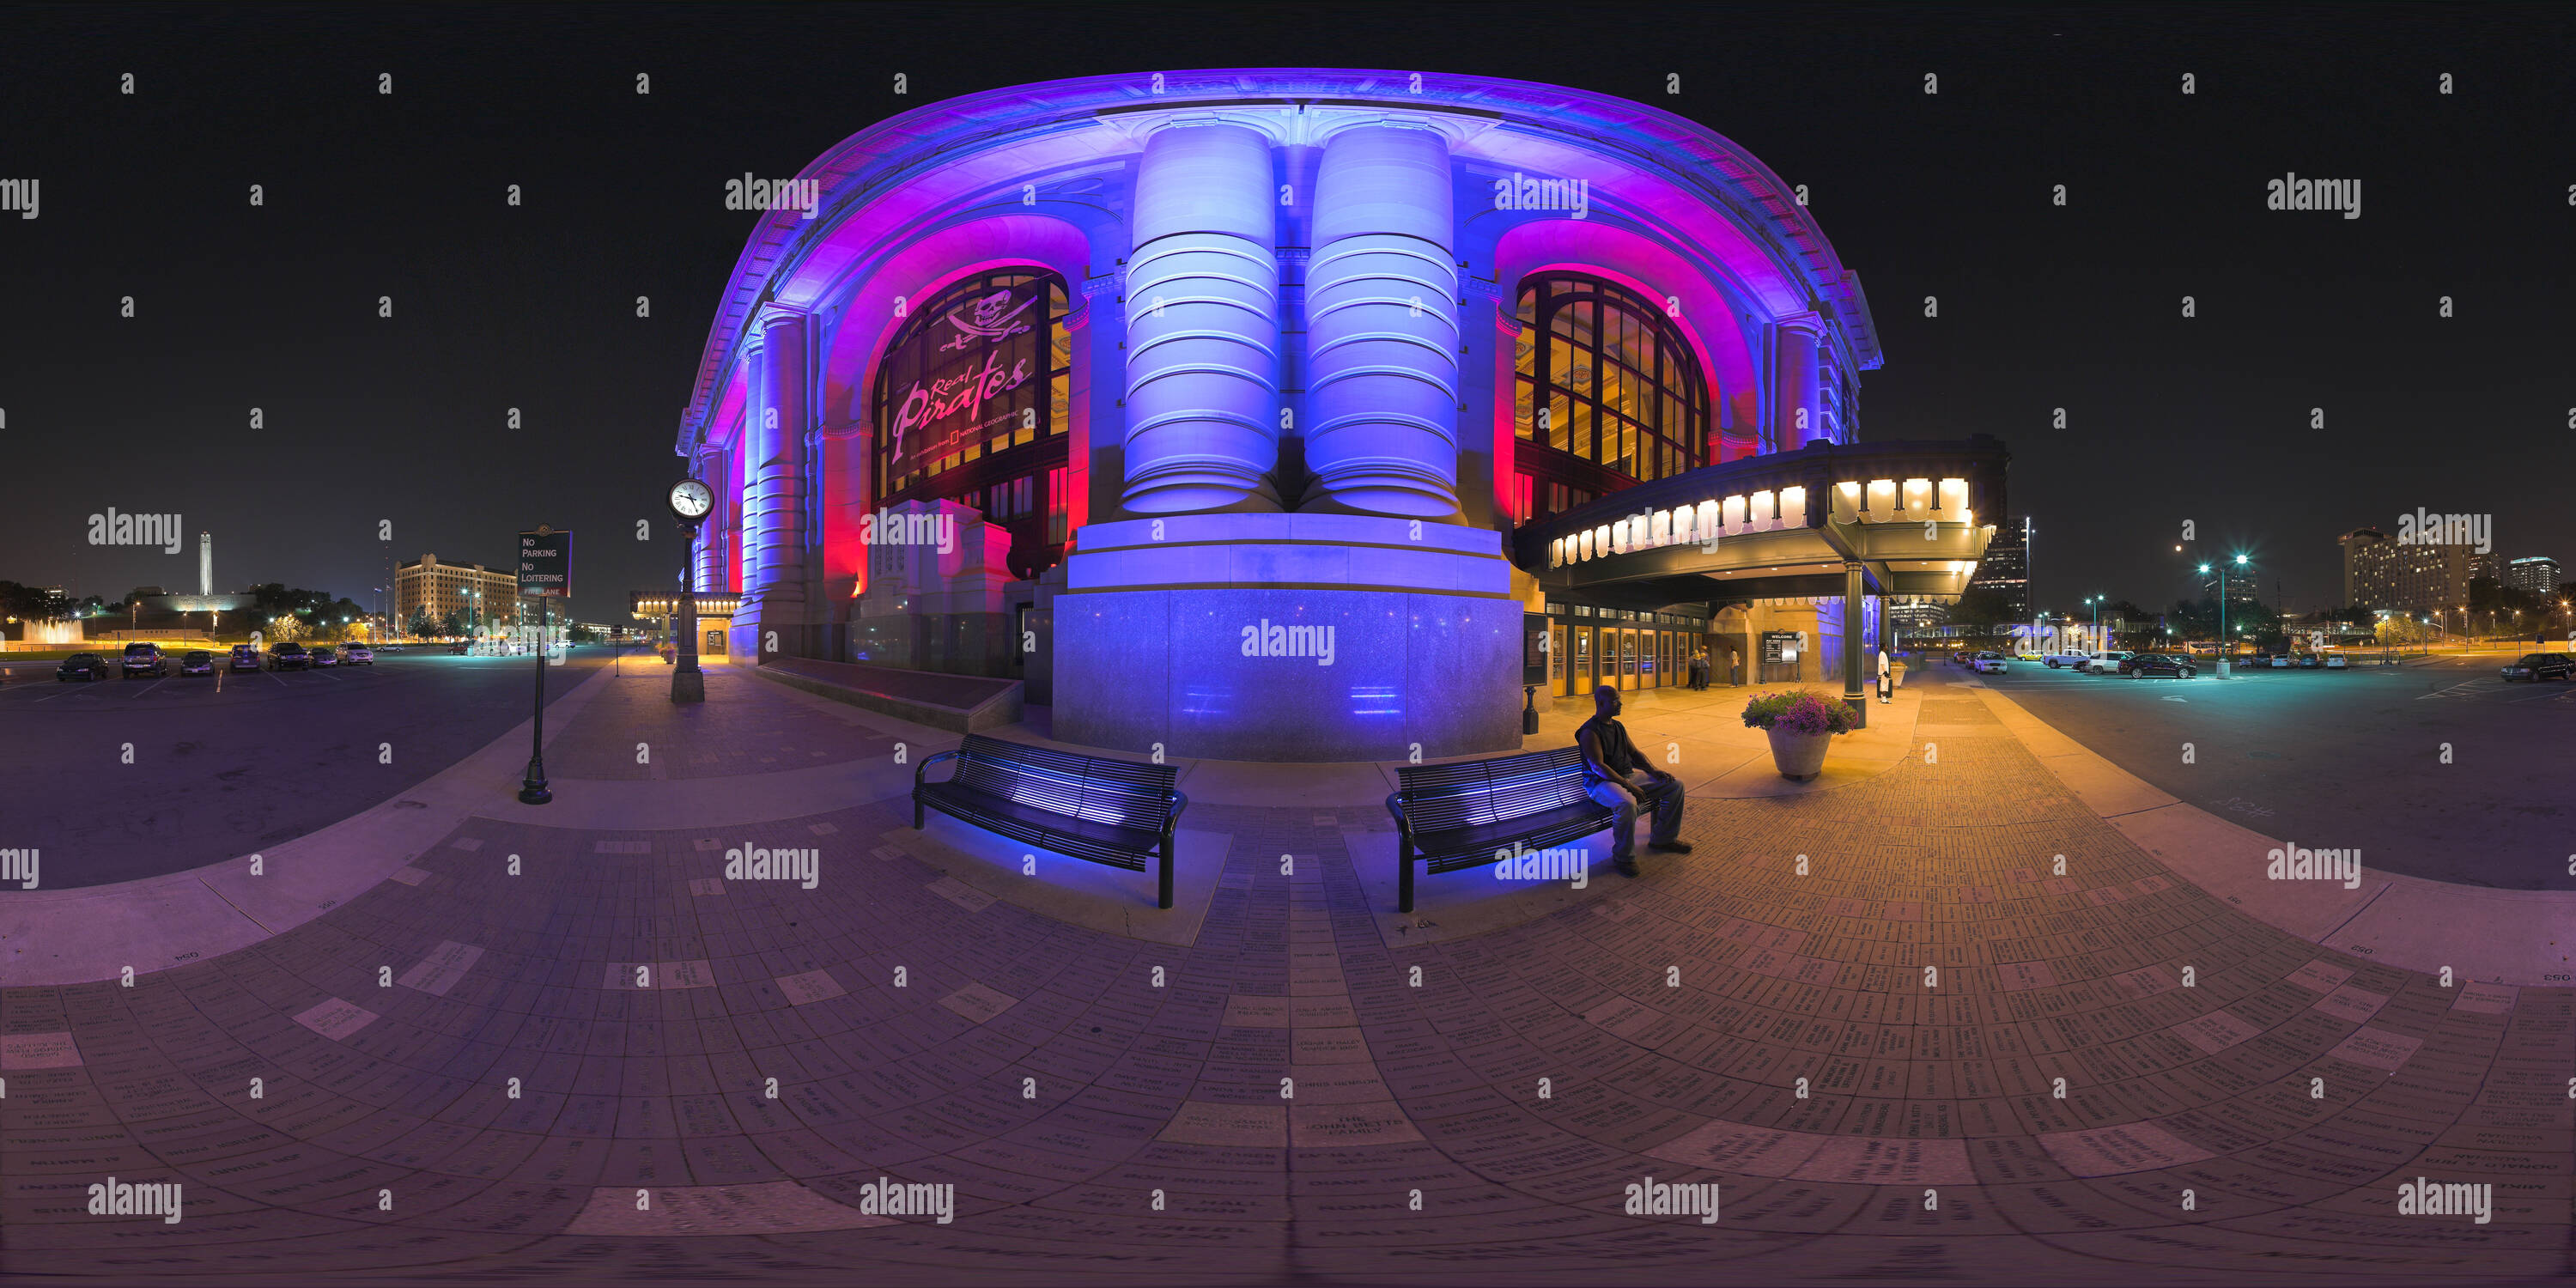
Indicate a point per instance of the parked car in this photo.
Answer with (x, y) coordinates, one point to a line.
(2106, 662)
(323, 655)
(289, 656)
(197, 662)
(1964, 656)
(1989, 663)
(2026, 655)
(145, 659)
(245, 657)
(2280, 661)
(2064, 657)
(2176, 665)
(358, 655)
(457, 648)
(83, 667)
(2337, 662)
(2536, 667)
(2312, 662)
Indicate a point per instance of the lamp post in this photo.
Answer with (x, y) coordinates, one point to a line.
(2029, 575)
(2094, 602)
(690, 501)
(2228, 655)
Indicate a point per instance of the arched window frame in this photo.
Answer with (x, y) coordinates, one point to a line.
(1657, 396)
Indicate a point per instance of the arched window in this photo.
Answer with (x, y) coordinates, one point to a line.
(973, 401)
(1608, 385)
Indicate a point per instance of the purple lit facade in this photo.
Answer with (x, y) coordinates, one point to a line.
(1211, 403)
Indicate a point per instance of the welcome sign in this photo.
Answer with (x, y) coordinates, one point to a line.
(972, 371)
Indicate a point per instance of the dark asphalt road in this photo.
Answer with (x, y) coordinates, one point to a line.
(220, 770)
(2350, 759)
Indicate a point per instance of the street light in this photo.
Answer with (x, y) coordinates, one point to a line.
(2229, 655)
(2095, 603)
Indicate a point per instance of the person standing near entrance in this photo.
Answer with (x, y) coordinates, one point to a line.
(1616, 774)
(1735, 668)
(1886, 680)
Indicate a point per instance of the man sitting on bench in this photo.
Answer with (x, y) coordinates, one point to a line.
(1616, 774)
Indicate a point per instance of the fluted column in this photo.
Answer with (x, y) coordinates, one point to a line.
(1202, 322)
(1793, 375)
(1382, 325)
(706, 566)
(774, 437)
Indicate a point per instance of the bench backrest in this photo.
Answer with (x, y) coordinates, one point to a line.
(1469, 793)
(1087, 787)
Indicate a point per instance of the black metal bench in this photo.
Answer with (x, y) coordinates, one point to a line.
(1113, 812)
(1459, 815)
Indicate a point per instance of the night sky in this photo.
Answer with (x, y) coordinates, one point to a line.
(2169, 419)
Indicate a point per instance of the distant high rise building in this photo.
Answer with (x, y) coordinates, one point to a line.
(205, 563)
(2243, 586)
(2489, 566)
(2535, 573)
(467, 590)
(2006, 568)
(2380, 573)
(1915, 618)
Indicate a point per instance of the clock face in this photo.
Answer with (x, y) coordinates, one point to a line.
(690, 499)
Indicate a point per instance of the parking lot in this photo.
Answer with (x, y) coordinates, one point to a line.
(135, 777)
(2437, 768)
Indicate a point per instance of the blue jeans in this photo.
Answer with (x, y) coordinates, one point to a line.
(1663, 795)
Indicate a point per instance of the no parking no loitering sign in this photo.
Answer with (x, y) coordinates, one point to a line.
(545, 562)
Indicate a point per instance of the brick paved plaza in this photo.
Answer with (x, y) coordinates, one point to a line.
(1468, 1091)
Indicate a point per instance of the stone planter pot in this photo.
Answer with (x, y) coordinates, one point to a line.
(1898, 671)
(1799, 756)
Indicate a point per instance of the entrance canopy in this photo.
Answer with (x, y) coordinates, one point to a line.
(1914, 517)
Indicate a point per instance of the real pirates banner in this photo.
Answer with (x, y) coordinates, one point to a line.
(973, 371)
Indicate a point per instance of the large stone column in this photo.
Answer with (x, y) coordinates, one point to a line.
(1202, 627)
(773, 438)
(1793, 381)
(706, 567)
(1202, 323)
(1382, 325)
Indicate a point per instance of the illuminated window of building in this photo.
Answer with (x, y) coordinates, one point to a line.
(1607, 393)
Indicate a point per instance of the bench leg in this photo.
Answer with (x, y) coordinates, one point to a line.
(916, 813)
(1165, 899)
(1403, 873)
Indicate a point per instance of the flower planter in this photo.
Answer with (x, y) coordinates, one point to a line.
(1799, 756)
(1800, 724)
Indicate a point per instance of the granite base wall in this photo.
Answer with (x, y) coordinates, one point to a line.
(1437, 674)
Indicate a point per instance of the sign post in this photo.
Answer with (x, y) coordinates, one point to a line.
(545, 572)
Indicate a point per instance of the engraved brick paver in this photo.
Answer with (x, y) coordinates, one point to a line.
(1931, 1007)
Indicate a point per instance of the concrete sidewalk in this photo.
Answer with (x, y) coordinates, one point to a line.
(2513, 937)
(1950, 965)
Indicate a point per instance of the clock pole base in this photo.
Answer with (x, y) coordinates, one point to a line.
(688, 686)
